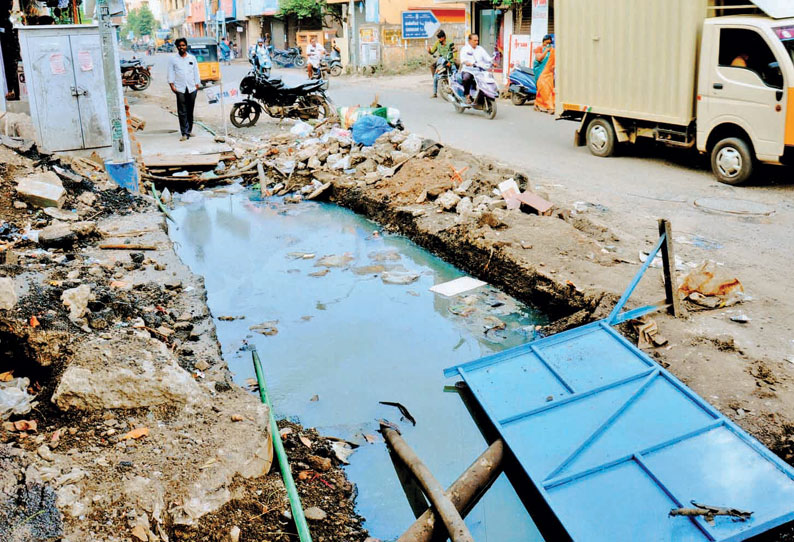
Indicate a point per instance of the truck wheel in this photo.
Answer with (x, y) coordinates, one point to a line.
(732, 161)
(601, 137)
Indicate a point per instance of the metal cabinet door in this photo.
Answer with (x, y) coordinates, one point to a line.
(59, 116)
(90, 88)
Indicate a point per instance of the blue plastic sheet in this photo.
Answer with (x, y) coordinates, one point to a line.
(369, 128)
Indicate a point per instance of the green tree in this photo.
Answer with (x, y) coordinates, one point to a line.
(146, 22)
(140, 22)
(302, 9)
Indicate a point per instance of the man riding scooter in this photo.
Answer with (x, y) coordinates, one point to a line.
(473, 58)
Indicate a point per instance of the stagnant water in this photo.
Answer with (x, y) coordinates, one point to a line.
(348, 340)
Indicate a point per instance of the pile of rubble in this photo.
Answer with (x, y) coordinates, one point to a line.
(119, 418)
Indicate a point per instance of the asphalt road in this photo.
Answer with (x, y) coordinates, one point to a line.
(745, 228)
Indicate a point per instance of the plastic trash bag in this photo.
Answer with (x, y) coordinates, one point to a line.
(301, 129)
(14, 398)
(369, 128)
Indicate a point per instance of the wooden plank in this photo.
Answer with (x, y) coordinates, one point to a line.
(182, 160)
(668, 266)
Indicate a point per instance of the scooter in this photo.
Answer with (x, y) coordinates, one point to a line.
(483, 93)
(262, 63)
(335, 64)
(522, 86)
(444, 70)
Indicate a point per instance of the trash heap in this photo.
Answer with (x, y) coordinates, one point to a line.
(119, 419)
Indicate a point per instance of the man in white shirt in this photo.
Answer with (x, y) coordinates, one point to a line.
(472, 59)
(315, 54)
(183, 76)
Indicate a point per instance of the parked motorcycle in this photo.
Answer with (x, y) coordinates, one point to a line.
(305, 101)
(288, 57)
(483, 93)
(522, 86)
(335, 64)
(135, 74)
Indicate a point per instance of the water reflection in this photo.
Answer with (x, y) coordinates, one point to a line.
(349, 338)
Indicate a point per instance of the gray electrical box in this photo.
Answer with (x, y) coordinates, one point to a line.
(66, 87)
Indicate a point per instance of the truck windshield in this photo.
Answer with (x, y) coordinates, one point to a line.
(786, 35)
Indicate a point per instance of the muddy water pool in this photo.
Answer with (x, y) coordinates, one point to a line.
(355, 324)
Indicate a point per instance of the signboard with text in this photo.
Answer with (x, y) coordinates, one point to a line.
(419, 25)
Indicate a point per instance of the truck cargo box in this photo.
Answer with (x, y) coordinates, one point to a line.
(629, 58)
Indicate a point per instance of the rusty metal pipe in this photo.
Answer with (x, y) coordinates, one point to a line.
(450, 517)
(464, 494)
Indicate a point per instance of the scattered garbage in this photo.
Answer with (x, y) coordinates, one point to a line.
(349, 115)
(266, 328)
(710, 286)
(301, 129)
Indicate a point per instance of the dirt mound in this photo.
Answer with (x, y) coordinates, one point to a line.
(426, 175)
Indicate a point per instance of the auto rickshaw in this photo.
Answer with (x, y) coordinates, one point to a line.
(206, 52)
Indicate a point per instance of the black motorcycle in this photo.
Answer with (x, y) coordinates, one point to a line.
(304, 101)
(135, 74)
(288, 57)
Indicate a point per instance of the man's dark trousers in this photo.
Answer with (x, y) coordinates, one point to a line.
(184, 108)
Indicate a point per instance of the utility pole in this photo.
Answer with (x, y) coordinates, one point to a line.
(110, 68)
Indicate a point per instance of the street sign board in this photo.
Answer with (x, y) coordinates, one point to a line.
(419, 25)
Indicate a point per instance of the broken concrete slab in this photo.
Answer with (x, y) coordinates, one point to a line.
(125, 372)
(76, 300)
(61, 234)
(42, 189)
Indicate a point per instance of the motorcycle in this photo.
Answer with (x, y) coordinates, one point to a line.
(522, 86)
(288, 57)
(135, 74)
(483, 93)
(321, 72)
(444, 70)
(335, 64)
(305, 101)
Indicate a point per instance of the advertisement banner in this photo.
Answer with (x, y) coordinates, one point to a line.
(540, 21)
(520, 52)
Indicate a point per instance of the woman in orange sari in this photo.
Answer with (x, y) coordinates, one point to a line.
(544, 75)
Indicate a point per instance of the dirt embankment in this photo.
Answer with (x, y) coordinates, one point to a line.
(566, 261)
(123, 422)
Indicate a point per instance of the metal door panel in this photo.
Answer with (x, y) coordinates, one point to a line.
(88, 74)
(59, 116)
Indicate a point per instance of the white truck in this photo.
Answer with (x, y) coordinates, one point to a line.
(714, 74)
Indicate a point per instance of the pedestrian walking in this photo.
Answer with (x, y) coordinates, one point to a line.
(183, 76)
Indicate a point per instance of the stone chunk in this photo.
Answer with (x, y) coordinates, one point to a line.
(76, 300)
(8, 295)
(60, 234)
(42, 189)
(125, 372)
(448, 200)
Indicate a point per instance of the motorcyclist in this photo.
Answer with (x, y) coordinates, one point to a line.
(260, 56)
(473, 58)
(314, 53)
(443, 50)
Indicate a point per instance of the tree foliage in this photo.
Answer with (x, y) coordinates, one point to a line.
(303, 9)
(140, 22)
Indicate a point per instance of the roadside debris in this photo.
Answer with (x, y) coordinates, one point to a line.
(710, 512)
(402, 409)
(711, 287)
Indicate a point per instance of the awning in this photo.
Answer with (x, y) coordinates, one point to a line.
(777, 9)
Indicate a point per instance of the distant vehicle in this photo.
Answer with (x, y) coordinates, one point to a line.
(162, 37)
(722, 82)
(206, 52)
(288, 58)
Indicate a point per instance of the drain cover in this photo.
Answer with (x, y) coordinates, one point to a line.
(732, 206)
